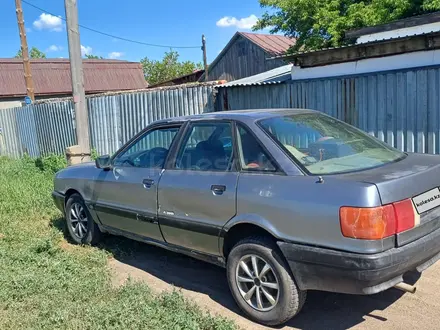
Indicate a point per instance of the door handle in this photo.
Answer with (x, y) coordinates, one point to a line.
(218, 189)
(148, 183)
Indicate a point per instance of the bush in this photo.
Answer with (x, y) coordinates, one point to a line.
(94, 154)
(51, 163)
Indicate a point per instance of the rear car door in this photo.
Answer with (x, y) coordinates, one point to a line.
(126, 195)
(197, 194)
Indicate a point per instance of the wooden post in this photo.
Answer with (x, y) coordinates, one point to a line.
(24, 51)
(205, 61)
(76, 71)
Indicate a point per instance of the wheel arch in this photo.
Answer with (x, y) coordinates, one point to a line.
(69, 193)
(245, 226)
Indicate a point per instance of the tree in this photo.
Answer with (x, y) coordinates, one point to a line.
(94, 57)
(168, 68)
(322, 23)
(34, 53)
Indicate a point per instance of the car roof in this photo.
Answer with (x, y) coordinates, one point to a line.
(240, 115)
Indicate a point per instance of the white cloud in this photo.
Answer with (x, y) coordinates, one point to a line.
(114, 55)
(86, 50)
(54, 48)
(242, 23)
(48, 22)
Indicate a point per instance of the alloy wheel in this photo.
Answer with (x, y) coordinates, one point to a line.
(257, 283)
(78, 220)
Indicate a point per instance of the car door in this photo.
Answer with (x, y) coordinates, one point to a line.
(126, 195)
(197, 193)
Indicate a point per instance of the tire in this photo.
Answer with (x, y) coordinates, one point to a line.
(91, 235)
(289, 298)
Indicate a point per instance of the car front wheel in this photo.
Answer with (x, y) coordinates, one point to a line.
(261, 283)
(79, 223)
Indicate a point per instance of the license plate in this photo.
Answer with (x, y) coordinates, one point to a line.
(427, 200)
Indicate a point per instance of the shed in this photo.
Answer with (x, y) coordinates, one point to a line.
(247, 54)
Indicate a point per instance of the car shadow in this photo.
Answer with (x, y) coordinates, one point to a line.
(321, 310)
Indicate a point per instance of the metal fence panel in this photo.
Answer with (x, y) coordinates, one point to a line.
(10, 144)
(54, 126)
(47, 128)
(27, 131)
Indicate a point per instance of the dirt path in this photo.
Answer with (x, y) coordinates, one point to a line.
(206, 285)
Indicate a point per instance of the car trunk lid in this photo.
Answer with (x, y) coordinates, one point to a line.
(417, 177)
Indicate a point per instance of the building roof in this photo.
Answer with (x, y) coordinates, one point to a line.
(398, 24)
(274, 45)
(274, 76)
(271, 43)
(52, 76)
(373, 49)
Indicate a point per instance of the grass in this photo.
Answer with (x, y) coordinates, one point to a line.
(46, 283)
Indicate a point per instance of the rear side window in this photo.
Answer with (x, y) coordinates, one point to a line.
(206, 147)
(251, 153)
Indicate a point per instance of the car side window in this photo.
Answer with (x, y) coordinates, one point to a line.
(150, 150)
(251, 153)
(206, 147)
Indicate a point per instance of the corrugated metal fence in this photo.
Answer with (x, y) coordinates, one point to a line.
(401, 108)
(47, 128)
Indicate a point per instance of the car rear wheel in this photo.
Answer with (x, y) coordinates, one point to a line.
(80, 225)
(261, 283)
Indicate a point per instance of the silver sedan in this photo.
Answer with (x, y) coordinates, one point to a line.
(286, 200)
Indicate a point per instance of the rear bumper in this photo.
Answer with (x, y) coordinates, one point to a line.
(335, 271)
(58, 199)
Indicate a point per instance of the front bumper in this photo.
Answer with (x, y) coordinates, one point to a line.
(336, 271)
(58, 199)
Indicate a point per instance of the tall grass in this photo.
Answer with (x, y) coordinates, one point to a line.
(46, 283)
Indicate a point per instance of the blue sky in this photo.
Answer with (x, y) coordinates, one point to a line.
(169, 22)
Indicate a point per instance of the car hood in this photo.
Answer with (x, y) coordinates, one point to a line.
(403, 179)
(76, 169)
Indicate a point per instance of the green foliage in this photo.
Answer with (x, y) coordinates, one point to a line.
(322, 23)
(46, 283)
(431, 5)
(94, 154)
(34, 53)
(51, 163)
(168, 68)
(94, 57)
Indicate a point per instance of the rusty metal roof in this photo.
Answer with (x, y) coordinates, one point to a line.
(52, 76)
(271, 77)
(271, 43)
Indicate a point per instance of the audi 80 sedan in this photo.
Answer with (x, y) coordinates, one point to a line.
(287, 200)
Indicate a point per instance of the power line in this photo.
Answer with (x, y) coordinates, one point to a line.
(111, 35)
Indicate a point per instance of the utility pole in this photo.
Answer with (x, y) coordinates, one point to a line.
(76, 71)
(205, 61)
(24, 51)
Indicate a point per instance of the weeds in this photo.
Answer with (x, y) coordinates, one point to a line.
(44, 285)
(51, 163)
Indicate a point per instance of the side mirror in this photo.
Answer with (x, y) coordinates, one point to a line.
(103, 162)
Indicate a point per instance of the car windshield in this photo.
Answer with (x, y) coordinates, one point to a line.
(324, 145)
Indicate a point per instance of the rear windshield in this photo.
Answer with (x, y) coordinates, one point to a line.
(324, 145)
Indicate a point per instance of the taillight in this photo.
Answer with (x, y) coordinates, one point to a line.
(406, 215)
(378, 222)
